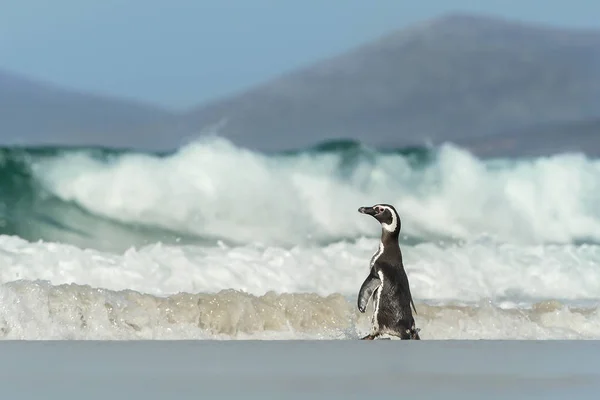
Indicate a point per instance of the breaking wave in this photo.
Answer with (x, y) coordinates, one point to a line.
(211, 190)
(38, 310)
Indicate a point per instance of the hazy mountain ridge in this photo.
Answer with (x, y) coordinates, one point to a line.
(33, 112)
(456, 78)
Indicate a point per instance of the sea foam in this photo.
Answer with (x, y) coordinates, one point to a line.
(464, 273)
(38, 310)
(212, 188)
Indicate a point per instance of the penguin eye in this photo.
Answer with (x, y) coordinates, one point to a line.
(379, 210)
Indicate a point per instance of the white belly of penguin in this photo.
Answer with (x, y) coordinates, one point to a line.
(377, 254)
(376, 303)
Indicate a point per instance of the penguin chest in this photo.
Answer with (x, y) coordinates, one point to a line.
(376, 256)
(386, 308)
(377, 298)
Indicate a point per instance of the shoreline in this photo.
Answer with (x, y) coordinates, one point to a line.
(295, 369)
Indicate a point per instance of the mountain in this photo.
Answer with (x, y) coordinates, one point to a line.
(577, 136)
(458, 77)
(36, 112)
(495, 86)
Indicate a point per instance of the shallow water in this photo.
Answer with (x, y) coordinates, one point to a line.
(301, 369)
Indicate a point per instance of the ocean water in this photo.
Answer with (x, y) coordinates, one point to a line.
(214, 241)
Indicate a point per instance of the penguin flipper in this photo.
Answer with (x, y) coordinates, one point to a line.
(371, 283)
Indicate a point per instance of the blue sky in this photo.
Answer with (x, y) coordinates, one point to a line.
(180, 53)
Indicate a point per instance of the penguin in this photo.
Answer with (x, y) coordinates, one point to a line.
(387, 282)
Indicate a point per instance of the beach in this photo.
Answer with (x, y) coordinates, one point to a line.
(335, 369)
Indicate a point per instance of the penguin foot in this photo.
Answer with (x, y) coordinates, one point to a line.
(371, 336)
(412, 334)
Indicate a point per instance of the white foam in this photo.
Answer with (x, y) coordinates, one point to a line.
(463, 273)
(38, 310)
(213, 188)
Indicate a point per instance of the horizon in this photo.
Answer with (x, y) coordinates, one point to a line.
(175, 88)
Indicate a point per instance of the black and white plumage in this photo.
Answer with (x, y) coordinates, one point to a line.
(387, 282)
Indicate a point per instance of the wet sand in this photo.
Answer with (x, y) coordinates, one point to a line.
(300, 369)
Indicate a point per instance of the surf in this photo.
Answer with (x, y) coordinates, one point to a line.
(211, 190)
(39, 310)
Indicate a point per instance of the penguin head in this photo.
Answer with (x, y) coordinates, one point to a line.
(386, 214)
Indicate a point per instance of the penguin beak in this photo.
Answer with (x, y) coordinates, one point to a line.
(367, 210)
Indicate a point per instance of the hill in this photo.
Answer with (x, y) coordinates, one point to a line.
(498, 87)
(458, 77)
(36, 112)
